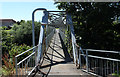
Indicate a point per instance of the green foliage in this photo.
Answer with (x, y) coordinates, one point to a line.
(15, 41)
(67, 40)
(23, 33)
(8, 67)
(17, 49)
(94, 24)
(116, 75)
(7, 40)
(4, 28)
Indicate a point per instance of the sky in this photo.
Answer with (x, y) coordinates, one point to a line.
(23, 10)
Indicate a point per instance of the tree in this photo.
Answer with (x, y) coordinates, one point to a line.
(23, 33)
(94, 25)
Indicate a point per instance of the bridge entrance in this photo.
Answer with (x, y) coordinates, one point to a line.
(57, 60)
(57, 52)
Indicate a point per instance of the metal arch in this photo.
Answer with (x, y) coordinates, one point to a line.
(33, 32)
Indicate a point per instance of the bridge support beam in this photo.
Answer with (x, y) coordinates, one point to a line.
(33, 32)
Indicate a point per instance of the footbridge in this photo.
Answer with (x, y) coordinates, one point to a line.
(58, 53)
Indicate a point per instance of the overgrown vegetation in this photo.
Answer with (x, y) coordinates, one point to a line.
(8, 67)
(16, 40)
(96, 24)
(23, 32)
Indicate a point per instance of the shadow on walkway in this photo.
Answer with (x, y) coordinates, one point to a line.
(65, 57)
(65, 50)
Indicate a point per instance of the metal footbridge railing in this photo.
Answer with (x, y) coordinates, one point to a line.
(84, 59)
(30, 63)
(95, 62)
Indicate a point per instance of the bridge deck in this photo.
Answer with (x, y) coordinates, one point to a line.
(58, 61)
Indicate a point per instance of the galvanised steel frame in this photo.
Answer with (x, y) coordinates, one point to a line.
(81, 57)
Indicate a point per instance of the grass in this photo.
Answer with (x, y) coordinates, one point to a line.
(8, 67)
(115, 74)
(0, 71)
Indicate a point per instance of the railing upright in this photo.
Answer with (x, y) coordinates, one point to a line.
(69, 22)
(87, 60)
(80, 64)
(16, 66)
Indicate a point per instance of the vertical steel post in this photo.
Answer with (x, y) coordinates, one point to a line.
(117, 69)
(41, 37)
(80, 58)
(33, 32)
(113, 66)
(102, 67)
(25, 67)
(40, 43)
(95, 66)
(110, 66)
(16, 66)
(76, 54)
(46, 35)
(107, 67)
(69, 22)
(87, 60)
(35, 56)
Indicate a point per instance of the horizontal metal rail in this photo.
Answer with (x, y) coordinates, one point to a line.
(102, 51)
(26, 58)
(24, 66)
(104, 58)
(101, 57)
(56, 11)
(27, 65)
(96, 64)
(25, 51)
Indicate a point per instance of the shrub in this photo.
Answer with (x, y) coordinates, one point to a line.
(7, 41)
(15, 50)
(9, 66)
(23, 33)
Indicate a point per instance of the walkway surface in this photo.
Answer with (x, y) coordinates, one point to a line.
(58, 61)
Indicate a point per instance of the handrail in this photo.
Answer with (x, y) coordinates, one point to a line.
(26, 58)
(102, 51)
(25, 51)
(106, 51)
(33, 34)
(107, 64)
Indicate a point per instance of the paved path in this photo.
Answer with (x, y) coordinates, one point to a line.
(58, 61)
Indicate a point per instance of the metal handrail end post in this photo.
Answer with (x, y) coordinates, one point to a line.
(16, 66)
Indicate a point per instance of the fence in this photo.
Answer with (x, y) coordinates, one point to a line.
(98, 62)
(27, 64)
